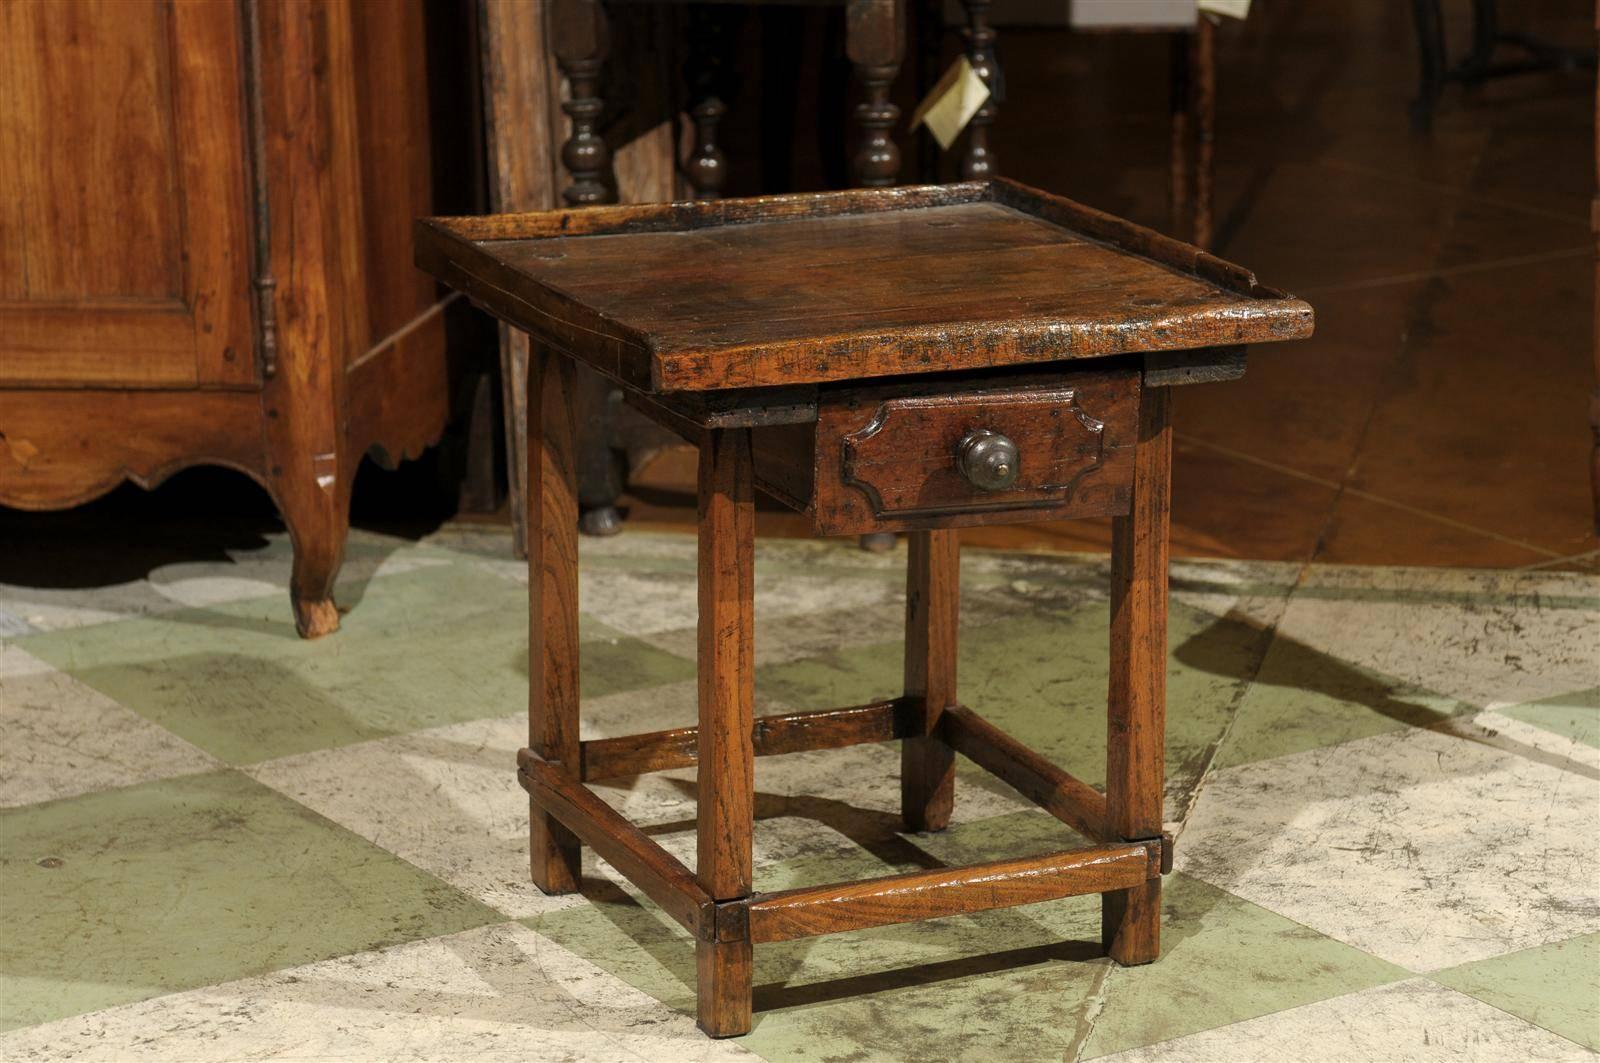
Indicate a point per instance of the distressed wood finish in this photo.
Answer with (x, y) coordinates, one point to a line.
(1072, 801)
(792, 732)
(625, 847)
(788, 394)
(265, 158)
(918, 895)
(525, 128)
(933, 613)
(1074, 283)
(1136, 705)
(886, 458)
(552, 608)
(724, 744)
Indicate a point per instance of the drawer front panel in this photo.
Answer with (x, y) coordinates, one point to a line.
(894, 459)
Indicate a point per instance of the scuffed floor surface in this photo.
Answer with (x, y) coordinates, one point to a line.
(221, 842)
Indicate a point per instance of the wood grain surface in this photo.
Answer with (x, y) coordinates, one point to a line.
(886, 457)
(657, 873)
(916, 895)
(933, 620)
(1071, 800)
(552, 502)
(725, 747)
(854, 284)
(1136, 705)
(791, 732)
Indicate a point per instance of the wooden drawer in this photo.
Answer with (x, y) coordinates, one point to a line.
(891, 458)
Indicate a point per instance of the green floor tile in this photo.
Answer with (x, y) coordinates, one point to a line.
(424, 648)
(1306, 699)
(125, 894)
(1041, 675)
(1017, 984)
(1008, 984)
(1224, 959)
(1554, 986)
(1575, 715)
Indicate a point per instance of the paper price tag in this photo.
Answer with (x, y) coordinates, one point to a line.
(1230, 8)
(950, 105)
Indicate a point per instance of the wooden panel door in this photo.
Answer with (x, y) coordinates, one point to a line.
(124, 217)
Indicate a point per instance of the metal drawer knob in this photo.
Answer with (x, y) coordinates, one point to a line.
(987, 459)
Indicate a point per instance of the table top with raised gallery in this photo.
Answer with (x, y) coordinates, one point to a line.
(873, 336)
(806, 289)
(895, 360)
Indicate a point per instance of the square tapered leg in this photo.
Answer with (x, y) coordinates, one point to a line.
(1136, 707)
(933, 606)
(725, 745)
(552, 608)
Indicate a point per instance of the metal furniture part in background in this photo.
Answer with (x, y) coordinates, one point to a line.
(1479, 65)
(1063, 352)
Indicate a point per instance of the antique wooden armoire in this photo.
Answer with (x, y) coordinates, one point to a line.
(205, 254)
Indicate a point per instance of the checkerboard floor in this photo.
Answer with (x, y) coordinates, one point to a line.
(220, 842)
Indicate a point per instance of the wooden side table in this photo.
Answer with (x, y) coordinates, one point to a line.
(908, 359)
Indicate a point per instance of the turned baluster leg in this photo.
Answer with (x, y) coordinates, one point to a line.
(980, 161)
(581, 39)
(552, 605)
(725, 818)
(707, 70)
(1136, 706)
(933, 609)
(874, 42)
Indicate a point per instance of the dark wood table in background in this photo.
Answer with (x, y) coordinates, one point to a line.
(894, 360)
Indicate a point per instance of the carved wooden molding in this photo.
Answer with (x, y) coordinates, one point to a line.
(1059, 444)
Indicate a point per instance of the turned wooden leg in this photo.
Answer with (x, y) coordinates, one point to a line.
(874, 41)
(1136, 716)
(979, 161)
(581, 38)
(933, 609)
(552, 607)
(707, 71)
(726, 814)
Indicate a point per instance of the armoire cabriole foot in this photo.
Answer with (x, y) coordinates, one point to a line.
(886, 393)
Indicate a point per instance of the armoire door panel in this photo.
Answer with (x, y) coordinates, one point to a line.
(124, 226)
